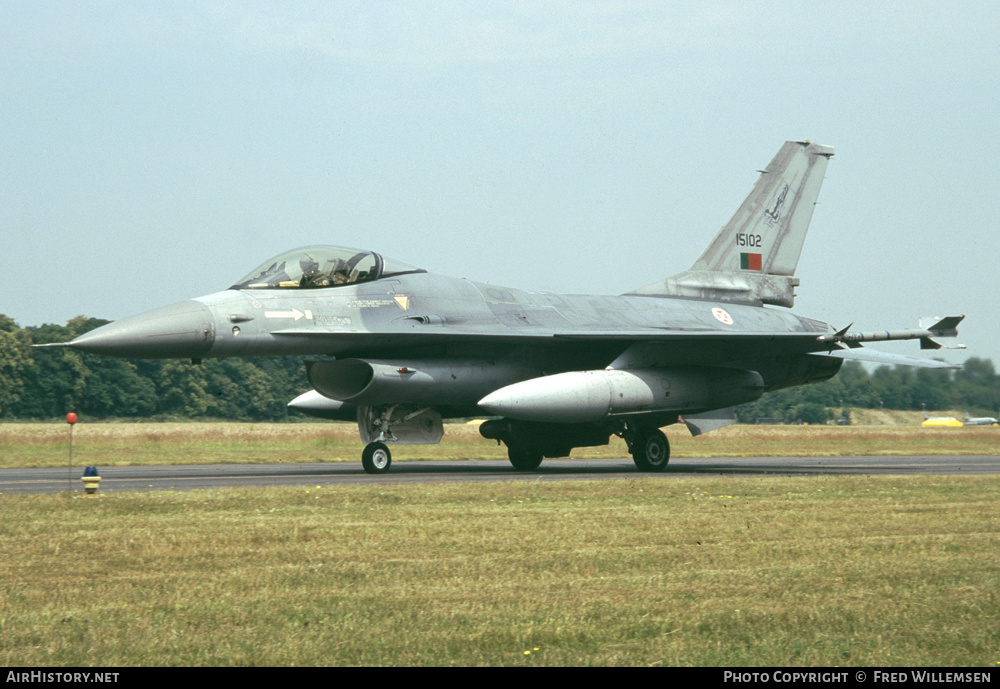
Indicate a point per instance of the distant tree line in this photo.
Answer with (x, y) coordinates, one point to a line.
(974, 389)
(46, 384)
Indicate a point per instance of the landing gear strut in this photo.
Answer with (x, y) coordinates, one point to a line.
(376, 458)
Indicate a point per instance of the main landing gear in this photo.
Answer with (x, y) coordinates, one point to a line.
(524, 458)
(649, 447)
(529, 442)
(651, 452)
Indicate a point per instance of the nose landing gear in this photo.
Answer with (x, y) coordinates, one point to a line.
(394, 424)
(376, 459)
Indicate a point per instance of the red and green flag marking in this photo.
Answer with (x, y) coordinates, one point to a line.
(750, 262)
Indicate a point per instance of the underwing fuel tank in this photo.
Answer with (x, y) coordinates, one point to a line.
(590, 396)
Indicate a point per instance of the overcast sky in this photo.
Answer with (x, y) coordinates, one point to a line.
(154, 152)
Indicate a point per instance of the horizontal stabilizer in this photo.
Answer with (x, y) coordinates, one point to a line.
(885, 358)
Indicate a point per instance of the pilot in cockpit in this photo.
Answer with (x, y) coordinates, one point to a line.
(311, 276)
(341, 272)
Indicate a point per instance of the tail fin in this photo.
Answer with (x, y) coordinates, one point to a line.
(753, 257)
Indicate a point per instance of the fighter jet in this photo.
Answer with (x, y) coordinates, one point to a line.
(399, 349)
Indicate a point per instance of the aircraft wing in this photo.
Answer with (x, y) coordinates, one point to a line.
(635, 347)
(843, 345)
(778, 343)
(538, 334)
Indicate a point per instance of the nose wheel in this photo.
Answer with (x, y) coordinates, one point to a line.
(376, 458)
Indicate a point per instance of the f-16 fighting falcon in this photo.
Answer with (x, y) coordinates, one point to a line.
(398, 349)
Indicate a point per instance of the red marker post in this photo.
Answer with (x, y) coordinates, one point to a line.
(71, 420)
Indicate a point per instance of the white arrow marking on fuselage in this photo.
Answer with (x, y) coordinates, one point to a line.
(294, 314)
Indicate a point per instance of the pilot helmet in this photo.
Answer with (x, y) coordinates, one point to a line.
(308, 265)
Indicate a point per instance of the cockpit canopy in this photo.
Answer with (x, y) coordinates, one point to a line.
(313, 267)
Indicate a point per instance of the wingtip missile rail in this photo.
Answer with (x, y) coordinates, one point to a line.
(940, 333)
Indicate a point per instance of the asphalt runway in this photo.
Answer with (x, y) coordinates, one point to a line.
(190, 477)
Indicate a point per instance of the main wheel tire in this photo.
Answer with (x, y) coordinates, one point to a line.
(376, 459)
(652, 451)
(524, 459)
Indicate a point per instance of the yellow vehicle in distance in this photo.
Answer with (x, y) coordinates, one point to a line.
(940, 421)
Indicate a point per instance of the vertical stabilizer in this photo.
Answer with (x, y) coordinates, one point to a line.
(753, 257)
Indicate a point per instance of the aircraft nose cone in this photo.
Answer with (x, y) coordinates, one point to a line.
(182, 330)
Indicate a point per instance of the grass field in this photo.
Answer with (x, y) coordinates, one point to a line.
(735, 571)
(763, 571)
(119, 444)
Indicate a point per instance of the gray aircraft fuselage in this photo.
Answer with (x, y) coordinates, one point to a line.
(422, 316)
